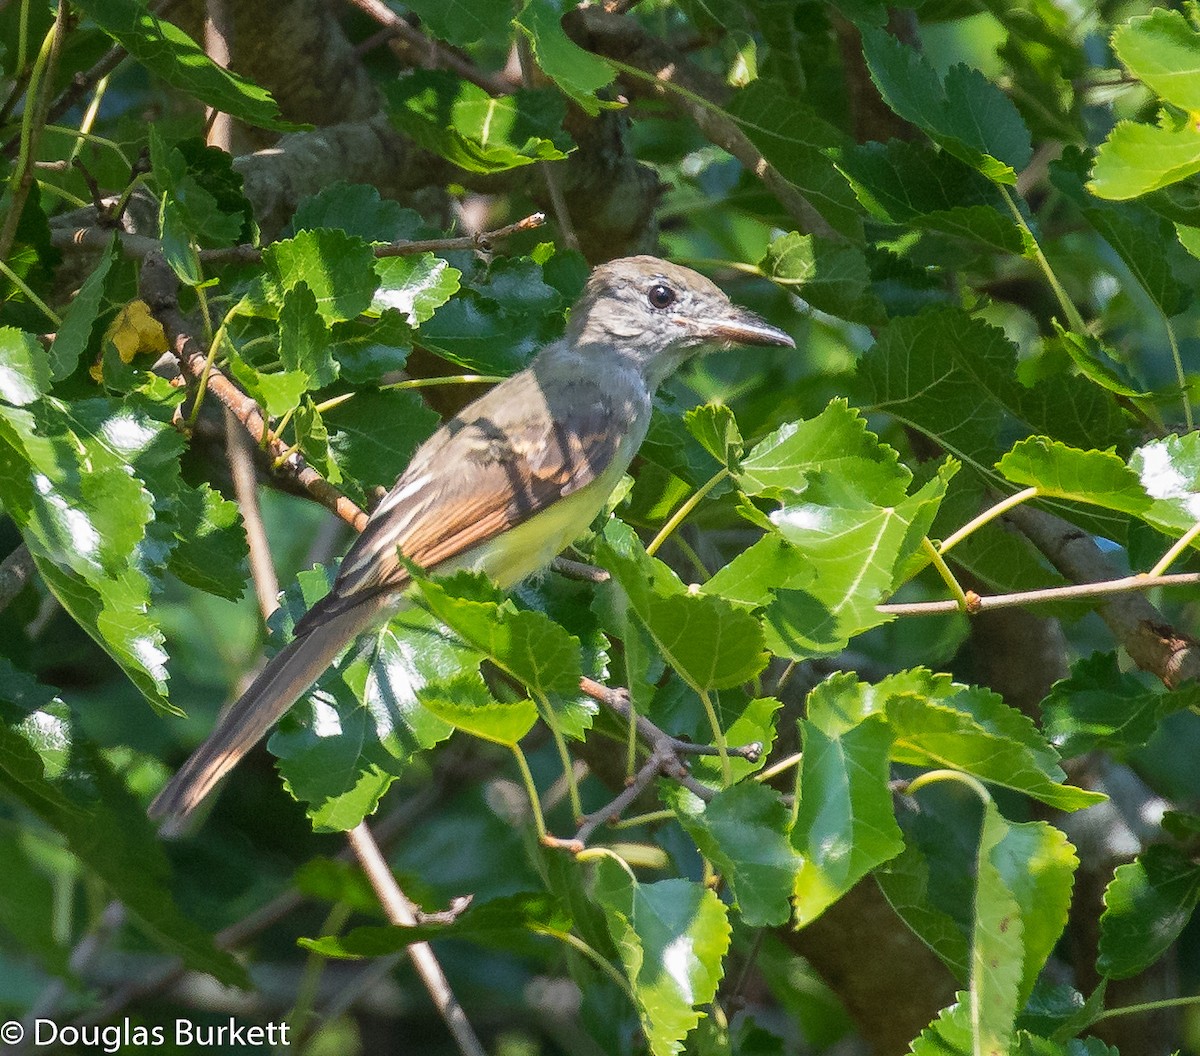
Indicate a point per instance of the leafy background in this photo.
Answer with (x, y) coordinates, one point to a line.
(945, 798)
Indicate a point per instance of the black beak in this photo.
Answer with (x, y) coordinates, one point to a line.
(741, 327)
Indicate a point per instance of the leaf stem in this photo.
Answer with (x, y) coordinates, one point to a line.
(34, 299)
(948, 578)
(988, 515)
(1180, 545)
(718, 736)
(1147, 1006)
(931, 777)
(1180, 376)
(775, 769)
(688, 505)
(576, 943)
(531, 788)
(452, 379)
(1074, 319)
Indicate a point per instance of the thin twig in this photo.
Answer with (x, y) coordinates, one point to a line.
(142, 246)
(218, 29)
(240, 453)
(564, 566)
(401, 912)
(430, 50)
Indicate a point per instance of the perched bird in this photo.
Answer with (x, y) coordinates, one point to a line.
(502, 487)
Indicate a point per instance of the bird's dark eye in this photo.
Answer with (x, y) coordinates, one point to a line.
(661, 296)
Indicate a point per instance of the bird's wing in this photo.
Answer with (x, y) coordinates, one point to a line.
(507, 458)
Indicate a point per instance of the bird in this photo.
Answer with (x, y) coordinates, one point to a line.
(502, 487)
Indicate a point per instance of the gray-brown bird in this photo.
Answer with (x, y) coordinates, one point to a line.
(502, 487)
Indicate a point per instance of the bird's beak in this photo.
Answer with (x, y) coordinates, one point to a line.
(740, 327)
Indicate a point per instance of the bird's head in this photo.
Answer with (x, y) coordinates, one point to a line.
(659, 314)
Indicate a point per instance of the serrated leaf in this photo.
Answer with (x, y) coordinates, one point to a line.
(754, 575)
(210, 553)
(1035, 864)
(801, 146)
(711, 643)
(463, 124)
(1100, 478)
(172, 56)
(463, 22)
(350, 737)
(528, 645)
(1163, 51)
(845, 825)
(953, 377)
(1100, 706)
(997, 943)
(415, 287)
(965, 114)
(338, 268)
(671, 937)
(304, 338)
(743, 831)
(976, 732)
(1137, 159)
(837, 441)
(356, 209)
(466, 704)
(25, 373)
(831, 276)
(580, 74)
(73, 335)
(374, 435)
(100, 822)
(277, 392)
(715, 427)
(1147, 905)
(1169, 471)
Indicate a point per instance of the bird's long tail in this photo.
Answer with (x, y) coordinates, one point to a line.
(280, 684)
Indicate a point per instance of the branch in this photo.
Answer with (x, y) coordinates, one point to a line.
(15, 571)
(692, 94)
(140, 247)
(159, 288)
(985, 602)
(401, 912)
(1153, 644)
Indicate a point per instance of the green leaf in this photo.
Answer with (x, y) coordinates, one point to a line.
(715, 427)
(466, 703)
(1163, 51)
(356, 209)
(831, 276)
(845, 825)
(304, 337)
(948, 1035)
(997, 942)
(1169, 471)
(671, 936)
(494, 922)
(965, 114)
(1147, 905)
(801, 146)
(342, 747)
(1101, 706)
(1143, 239)
(1100, 478)
(531, 647)
(210, 551)
(1137, 159)
(277, 392)
(172, 56)
(338, 268)
(953, 377)
(73, 335)
(837, 442)
(25, 372)
(414, 286)
(857, 550)
(463, 124)
(578, 73)
(463, 22)
(743, 831)
(711, 643)
(1034, 864)
(754, 575)
(973, 730)
(102, 824)
(375, 434)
